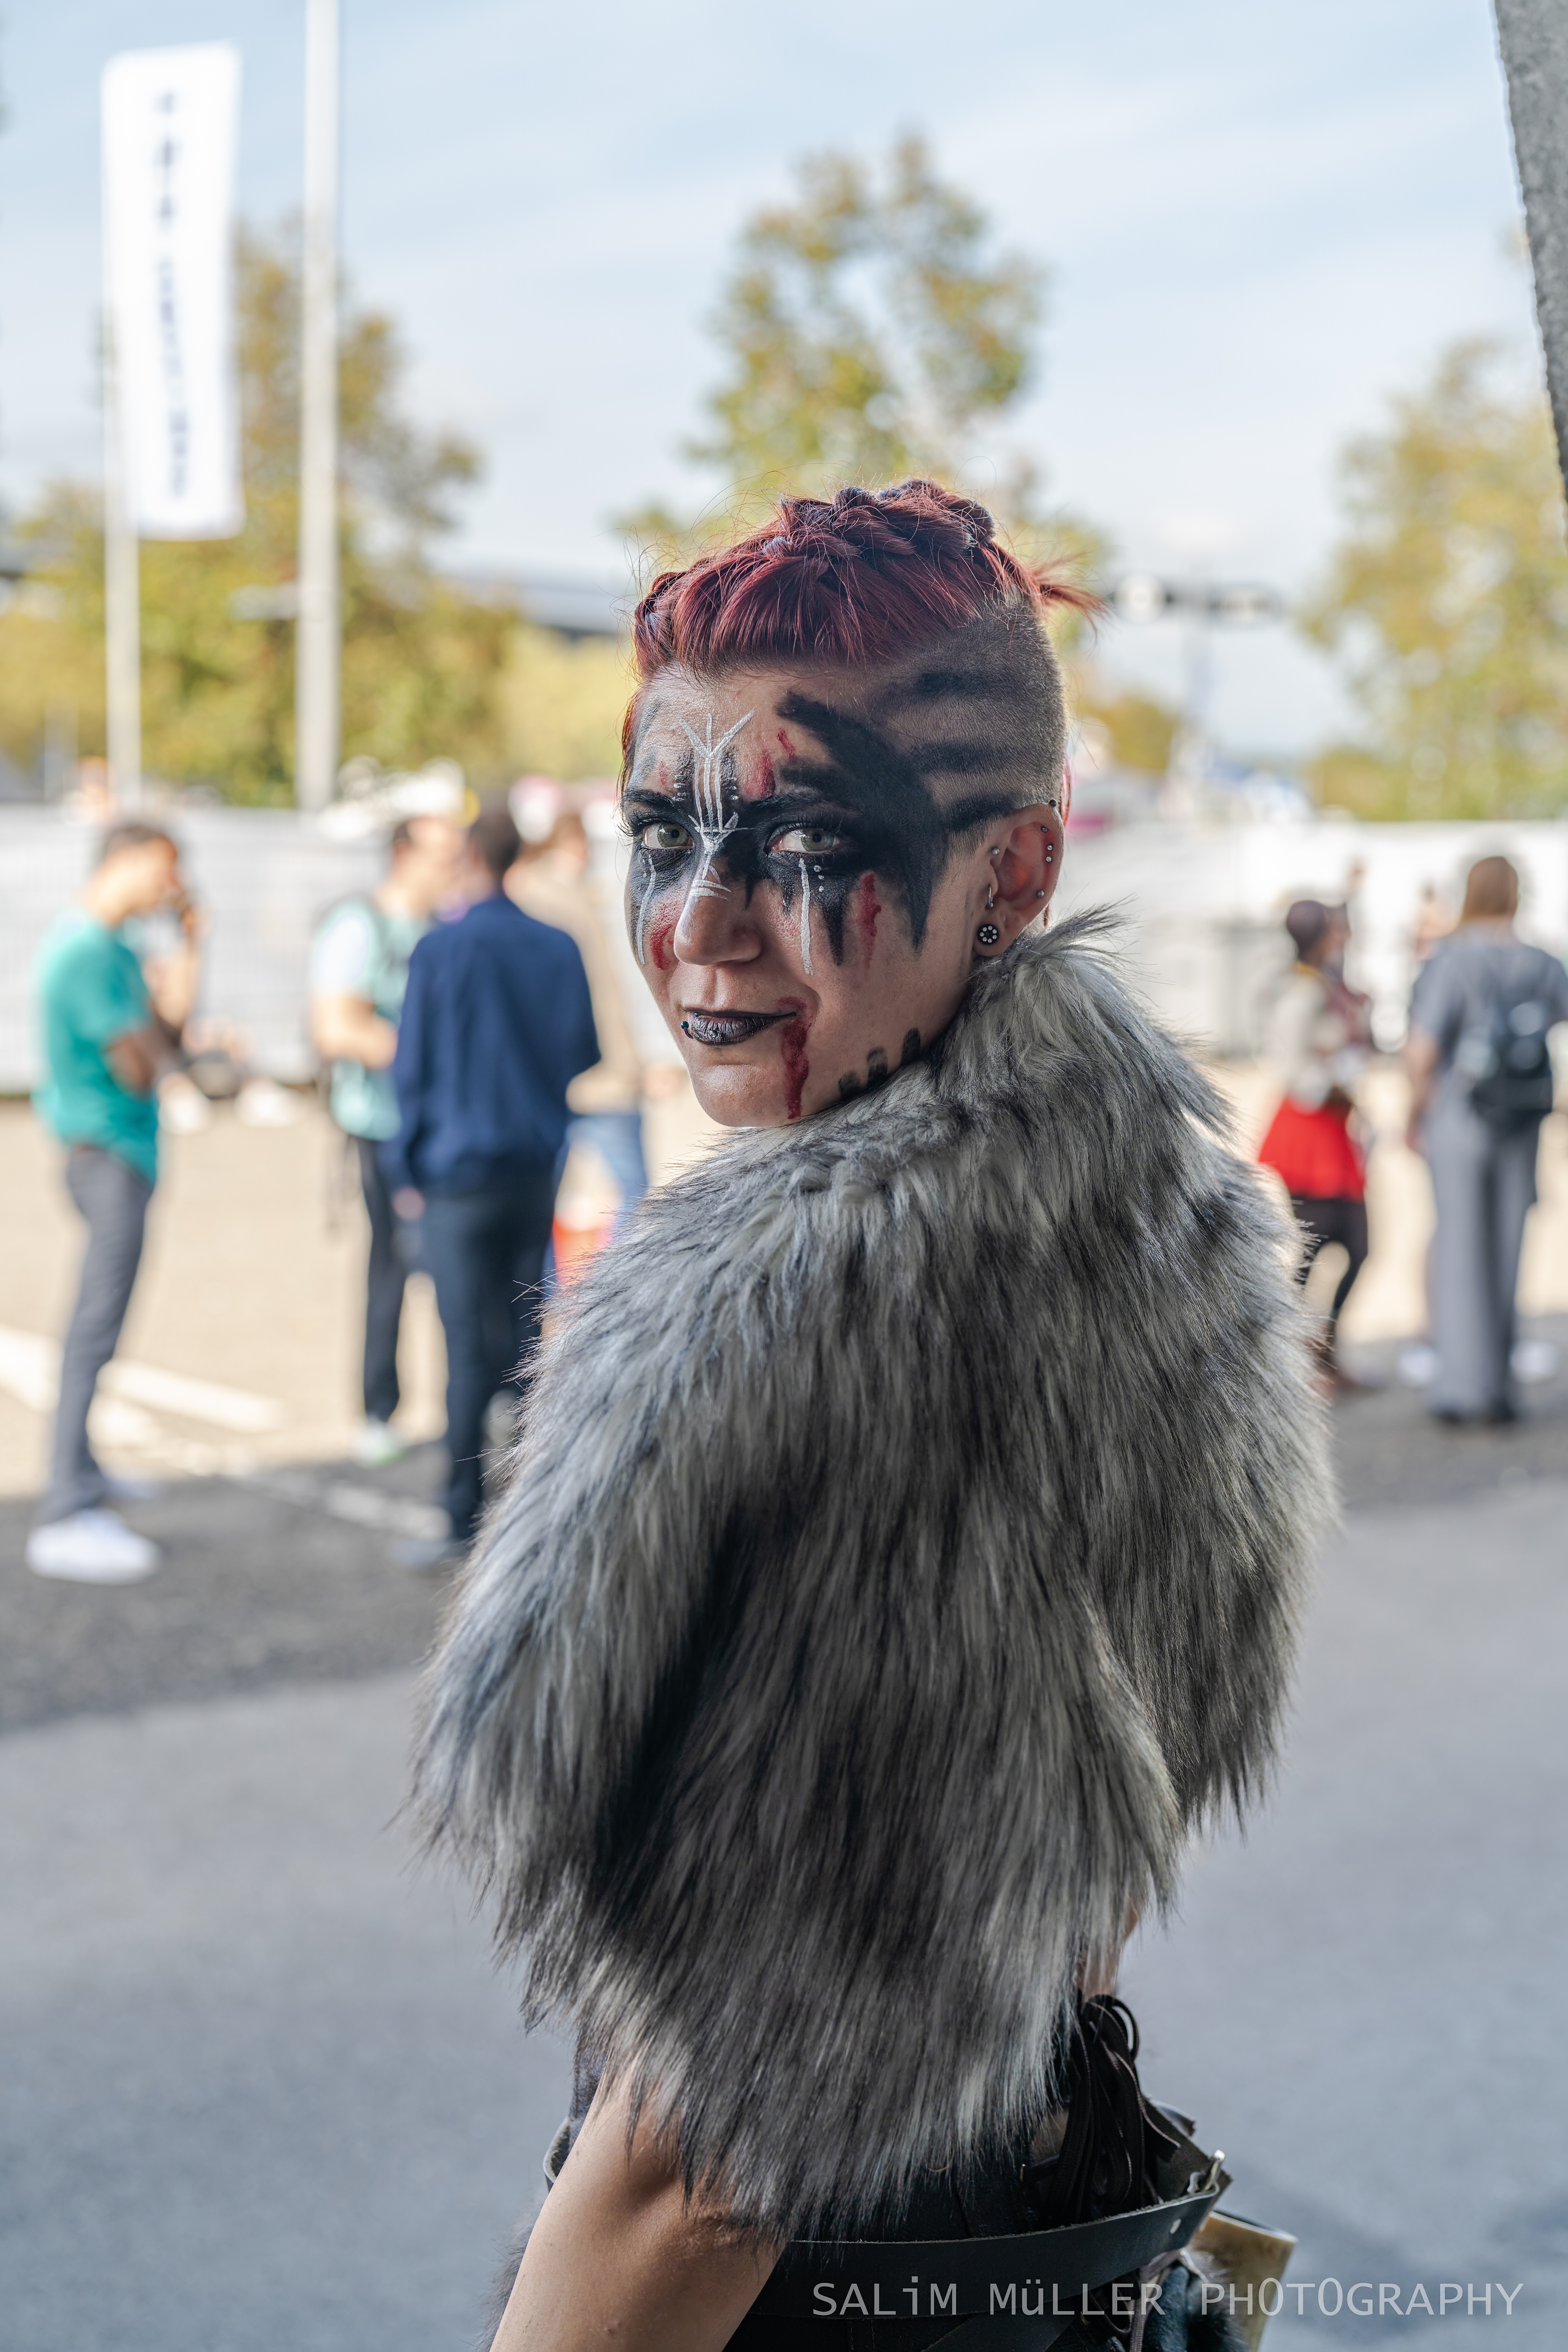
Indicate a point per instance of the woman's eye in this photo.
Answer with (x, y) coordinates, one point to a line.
(808, 841)
(664, 836)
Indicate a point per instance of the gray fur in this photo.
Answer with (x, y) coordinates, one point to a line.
(903, 1557)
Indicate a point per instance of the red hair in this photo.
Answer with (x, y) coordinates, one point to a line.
(848, 583)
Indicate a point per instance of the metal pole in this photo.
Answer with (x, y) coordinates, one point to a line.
(317, 636)
(1533, 37)
(121, 597)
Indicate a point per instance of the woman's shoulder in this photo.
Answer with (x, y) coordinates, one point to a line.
(1054, 1119)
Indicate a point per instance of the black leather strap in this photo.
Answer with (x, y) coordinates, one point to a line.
(980, 2279)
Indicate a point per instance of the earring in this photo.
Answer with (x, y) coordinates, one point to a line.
(1039, 894)
(1050, 853)
(990, 898)
(988, 934)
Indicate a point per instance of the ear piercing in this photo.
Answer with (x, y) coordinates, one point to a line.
(988, 934)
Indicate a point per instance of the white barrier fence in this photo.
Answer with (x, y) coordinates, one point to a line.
(1201, 907)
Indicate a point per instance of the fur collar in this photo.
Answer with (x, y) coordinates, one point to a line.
(904, 1555)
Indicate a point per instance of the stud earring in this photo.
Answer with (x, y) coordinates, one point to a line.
(1039, 894)
(988, 934)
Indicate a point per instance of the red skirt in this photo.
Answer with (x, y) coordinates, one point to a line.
(1315, 1154)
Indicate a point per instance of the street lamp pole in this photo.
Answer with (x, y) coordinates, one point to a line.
(1202, 604)
(318, 633)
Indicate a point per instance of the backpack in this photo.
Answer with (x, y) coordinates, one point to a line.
(1507, 1066)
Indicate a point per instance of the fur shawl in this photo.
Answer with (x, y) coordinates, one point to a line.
(903, 1554)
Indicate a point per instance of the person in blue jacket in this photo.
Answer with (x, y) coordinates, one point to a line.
(496, 1024)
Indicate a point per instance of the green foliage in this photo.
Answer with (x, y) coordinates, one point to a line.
(422, 663)
(870, 332)
(867, 328)
(1140, 728)
(562, 704)
(1448, 600)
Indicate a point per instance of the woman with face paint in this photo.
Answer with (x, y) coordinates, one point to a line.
(909, 1528)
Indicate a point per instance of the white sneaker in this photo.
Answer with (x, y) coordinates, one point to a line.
(91, 1548)
(377, 1444)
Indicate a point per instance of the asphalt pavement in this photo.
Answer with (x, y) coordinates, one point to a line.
(264, 2089)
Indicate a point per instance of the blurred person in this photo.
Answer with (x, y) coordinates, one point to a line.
(497, 1022)
(1320, 1040)
(555, 885)
(359, 971)
(875, 1606)
(106, 1038)
(1434, 922)
(1481, 1084)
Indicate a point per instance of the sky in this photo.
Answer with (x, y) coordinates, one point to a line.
(1259, 222)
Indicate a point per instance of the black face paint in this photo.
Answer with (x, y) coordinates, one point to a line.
(852, 1083)
(723, 841)
(908, 835)
(870, 797)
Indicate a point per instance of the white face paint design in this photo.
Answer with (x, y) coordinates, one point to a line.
(805, 917)
(709, 825)
(712, 827)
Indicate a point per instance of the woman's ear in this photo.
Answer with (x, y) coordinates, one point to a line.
(1025, 864)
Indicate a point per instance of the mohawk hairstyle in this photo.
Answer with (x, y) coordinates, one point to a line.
(852, 583)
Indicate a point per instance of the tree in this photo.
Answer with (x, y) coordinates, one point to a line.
(562, 703)
(1138, 728)
(423, 662)
(1448, 602)
(870, 332)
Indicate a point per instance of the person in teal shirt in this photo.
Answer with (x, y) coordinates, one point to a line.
(359, 969)
(104, 1041)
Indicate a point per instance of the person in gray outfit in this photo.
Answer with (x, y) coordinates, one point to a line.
(1480, 1086)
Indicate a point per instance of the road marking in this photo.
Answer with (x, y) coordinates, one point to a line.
(361, 1506)
(30, 1368)
(30, 1371)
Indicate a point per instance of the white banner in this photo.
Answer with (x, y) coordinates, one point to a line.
(170, 121)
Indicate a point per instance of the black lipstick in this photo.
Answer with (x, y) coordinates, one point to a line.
(726, 1028)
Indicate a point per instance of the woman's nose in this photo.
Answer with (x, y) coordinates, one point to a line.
(715, 924)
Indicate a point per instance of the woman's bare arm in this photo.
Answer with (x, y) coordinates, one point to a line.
(618, 2255)
(349, 1029)
(1421, 1064)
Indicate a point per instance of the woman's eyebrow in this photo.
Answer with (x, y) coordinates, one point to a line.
(751, 813)
(786, 796)
(649, 796)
